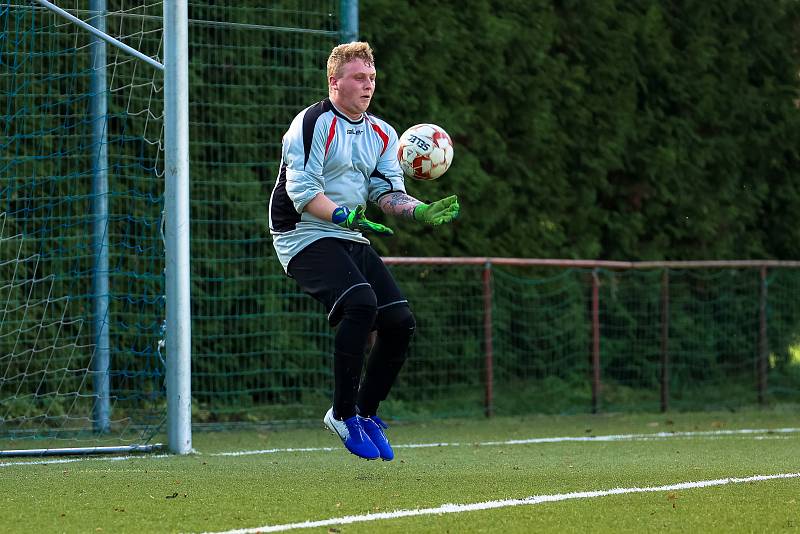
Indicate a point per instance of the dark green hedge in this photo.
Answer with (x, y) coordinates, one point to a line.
(607, 129)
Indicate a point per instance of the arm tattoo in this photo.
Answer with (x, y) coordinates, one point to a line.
(399, 204)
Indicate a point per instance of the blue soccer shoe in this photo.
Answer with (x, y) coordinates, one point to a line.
(373, 426)
(352, 435)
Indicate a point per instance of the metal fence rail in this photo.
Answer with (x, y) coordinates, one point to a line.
(599, 270)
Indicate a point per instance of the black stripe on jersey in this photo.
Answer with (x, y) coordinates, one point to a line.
(309, 122)
(283, 216)
(378, 174)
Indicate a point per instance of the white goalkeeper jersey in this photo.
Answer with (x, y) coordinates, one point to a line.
(326, 152)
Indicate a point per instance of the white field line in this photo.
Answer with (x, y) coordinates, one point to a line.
(489, 505)
(533, 441)
(756, 433)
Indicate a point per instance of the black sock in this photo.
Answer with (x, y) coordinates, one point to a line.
(348, 357)
(386, 359)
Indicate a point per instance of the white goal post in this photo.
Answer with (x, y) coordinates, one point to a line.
(179, 339)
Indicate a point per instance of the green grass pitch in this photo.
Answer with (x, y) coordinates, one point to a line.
(477, 462)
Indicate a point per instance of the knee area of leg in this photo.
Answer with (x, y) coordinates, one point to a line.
(360, 303)
(397, 319)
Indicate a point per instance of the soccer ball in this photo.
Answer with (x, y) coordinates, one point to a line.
(425, 152)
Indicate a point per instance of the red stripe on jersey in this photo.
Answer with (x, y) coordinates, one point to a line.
(384, 137)
(331, 133)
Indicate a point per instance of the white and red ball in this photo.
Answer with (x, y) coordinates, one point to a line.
(425, 152)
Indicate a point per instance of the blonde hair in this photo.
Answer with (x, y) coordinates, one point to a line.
(345, 53)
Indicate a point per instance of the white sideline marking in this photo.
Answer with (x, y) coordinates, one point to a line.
(273, 451)
(757, 433)
(488, 505)
(532, 441)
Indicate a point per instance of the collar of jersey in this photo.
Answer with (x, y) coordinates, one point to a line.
(343, 116)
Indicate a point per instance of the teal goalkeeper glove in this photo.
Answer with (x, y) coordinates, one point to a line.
(357, 220)
(439, 212)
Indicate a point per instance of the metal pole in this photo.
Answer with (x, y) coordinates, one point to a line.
(349, 21)
(595, 341)
(665, 340)
(763, 341)
(176, 118)
(99, 33)
(101, 361)
(487, 334)
(120, 449)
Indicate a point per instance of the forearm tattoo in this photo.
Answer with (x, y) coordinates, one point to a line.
(399, 204)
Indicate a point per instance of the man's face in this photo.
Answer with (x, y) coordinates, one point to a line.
(352, 92)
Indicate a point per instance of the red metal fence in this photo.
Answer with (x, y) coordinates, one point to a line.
(596, 320)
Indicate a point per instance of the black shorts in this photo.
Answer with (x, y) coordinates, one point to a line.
(330, 268)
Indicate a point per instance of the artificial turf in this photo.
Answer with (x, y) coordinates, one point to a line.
(208, 492)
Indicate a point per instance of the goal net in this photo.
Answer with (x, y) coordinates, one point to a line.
(82, 306)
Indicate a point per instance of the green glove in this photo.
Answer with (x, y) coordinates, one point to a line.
(357, 220)
(439, 212)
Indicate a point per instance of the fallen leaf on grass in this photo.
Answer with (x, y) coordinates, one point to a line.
(672, 497)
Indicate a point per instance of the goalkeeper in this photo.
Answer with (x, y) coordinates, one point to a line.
(335, 159)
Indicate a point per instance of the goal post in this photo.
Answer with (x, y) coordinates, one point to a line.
(94, 241)
(98, 110)
(176, 108)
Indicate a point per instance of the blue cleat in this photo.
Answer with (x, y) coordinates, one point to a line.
(373, 426)
(352, 435)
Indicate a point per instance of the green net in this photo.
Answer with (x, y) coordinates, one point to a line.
(542, 338)
(682, 339)
(262, 350)
(445, 366)
(252, 68)
(49, 159)
(259, 348)
(688, 339)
